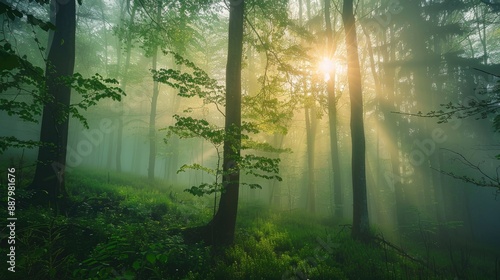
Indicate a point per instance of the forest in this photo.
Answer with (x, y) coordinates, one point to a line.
(250, 139)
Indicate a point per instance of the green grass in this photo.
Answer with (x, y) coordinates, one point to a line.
(120, 227)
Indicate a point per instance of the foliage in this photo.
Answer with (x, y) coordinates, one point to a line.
(18, 76)
(484, 108)
(111, 233)
(23, 89)
(91, 91)
(188, 127)
(197, 83)
(194, 83)
(12, 13)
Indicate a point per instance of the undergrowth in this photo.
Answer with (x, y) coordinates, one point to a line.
(121, 227)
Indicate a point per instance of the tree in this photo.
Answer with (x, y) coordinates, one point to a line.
(220, 230)
(152, 114)
(311, 120)
(49, 174)
(224, 222)
(360, 226)
(124, 79)
(480, 110)
(332, 118)
(20, 75)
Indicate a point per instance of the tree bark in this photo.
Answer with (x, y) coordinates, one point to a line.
(152, 125)
(332, 119)
(124, 80)
(311, 124)
(51, 163)
(360, 227)
(392, 126)
(222, 227)
(152, 114)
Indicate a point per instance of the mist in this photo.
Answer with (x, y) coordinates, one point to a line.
(290, 139)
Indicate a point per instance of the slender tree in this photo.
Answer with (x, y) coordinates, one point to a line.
(360, 226)
(222, 226)
(49, 174)
(311, 120)
(332, 118)
(152, 114)
(123, 83)
(311, 125)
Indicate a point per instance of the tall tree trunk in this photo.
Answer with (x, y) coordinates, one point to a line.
(152, 125)
(49, 174)
(124, 80)
(360, 226)
(223, 224)
(393, 131)
(152, 115)
(102, 6)
(311, 123)
(332, 119)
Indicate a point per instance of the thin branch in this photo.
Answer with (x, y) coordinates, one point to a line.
(493, 182)
(486, 72)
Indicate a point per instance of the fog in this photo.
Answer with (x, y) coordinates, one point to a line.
(153, 120)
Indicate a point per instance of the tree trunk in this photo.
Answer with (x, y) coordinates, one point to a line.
(311, 123)
(332, 119)
(360, 226)
(49, 174)
(152, 115)
(119, 132)
(222, 226)
(152, 126)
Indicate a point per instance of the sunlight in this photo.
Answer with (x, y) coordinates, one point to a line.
(326, 66)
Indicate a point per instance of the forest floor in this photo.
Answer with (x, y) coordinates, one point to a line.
(121, 227)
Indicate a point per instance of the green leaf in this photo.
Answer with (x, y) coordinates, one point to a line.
(9, 61)
(136, 265)
(162, 258)
(151, 258)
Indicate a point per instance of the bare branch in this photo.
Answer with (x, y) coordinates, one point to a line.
(485, 180)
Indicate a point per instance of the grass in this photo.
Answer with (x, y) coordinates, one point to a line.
(120, 227)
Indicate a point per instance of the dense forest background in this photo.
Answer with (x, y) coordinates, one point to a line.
(139, 138)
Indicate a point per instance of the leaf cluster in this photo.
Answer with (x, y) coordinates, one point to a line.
(23, 87)
(23, 79)
(251, 164)
(196, 82)
(13, 13)
(7, 142)
(260, 166)
(474, 107)
(188, 127)
(91, 91)
(205, 188)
